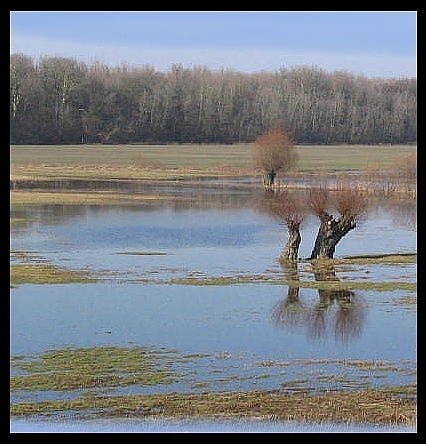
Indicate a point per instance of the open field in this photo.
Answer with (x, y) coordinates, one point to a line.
(179, 161)
(23, 197)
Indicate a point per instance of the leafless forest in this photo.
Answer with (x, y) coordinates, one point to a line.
(56, 100)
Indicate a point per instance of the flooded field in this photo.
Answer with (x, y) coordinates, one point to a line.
(194, 282)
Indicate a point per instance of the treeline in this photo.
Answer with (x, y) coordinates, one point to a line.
(57, 100)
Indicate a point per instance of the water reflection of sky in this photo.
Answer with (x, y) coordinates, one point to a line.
(188, 426)
(241, 326)
(210, 241)
(231, 321)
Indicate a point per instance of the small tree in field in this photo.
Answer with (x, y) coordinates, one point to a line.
(274, 152)
(351, 204)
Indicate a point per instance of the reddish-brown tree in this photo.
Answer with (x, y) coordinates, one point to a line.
(274, 152)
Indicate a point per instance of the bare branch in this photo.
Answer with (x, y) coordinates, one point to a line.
(350, 201)
(318, 200)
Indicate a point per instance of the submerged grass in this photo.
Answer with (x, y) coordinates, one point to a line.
(83, 368)
(96, 369)
(43, 273)
(321, 285)
(369, 406)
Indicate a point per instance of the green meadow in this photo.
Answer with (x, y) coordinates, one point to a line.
(225, 159)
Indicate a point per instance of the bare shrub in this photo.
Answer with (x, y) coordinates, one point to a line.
(274, 152)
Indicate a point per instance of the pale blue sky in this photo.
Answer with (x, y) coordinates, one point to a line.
(374, 44)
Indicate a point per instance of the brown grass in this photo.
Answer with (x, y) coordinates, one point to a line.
(372, 406)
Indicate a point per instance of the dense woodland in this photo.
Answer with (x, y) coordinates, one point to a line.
(55, 100)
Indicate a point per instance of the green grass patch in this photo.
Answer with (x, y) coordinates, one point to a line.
(83, 368)
(46, 274)
(394, 258)
(202, 156)
(179, 161)
(322, 285)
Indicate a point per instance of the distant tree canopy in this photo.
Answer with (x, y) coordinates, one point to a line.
(58, 100)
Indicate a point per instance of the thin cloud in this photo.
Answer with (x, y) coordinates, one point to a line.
(244, 60)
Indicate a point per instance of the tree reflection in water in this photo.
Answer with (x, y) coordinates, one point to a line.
(340, 308)
(290, 311)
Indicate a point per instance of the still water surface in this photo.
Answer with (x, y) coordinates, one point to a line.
(236, 329)
(188, 426)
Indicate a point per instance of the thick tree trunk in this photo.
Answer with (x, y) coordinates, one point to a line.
(291, 250)
(329, 234)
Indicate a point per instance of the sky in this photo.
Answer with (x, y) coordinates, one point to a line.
(369, 43)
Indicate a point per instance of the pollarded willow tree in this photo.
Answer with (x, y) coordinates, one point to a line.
(273, 152)
(291, 209)
(350, 202)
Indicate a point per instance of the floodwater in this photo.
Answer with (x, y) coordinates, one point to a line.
(245, 336)
(189, 426)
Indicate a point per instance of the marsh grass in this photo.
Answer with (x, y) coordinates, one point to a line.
(321, 285)
(98, 368)
(395, 258)
(46, 274)
(368, 406)
(83, 368)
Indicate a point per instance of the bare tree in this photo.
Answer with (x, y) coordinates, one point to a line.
(273, 152)
(290, 210)
(350, 202)
(127, 104)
